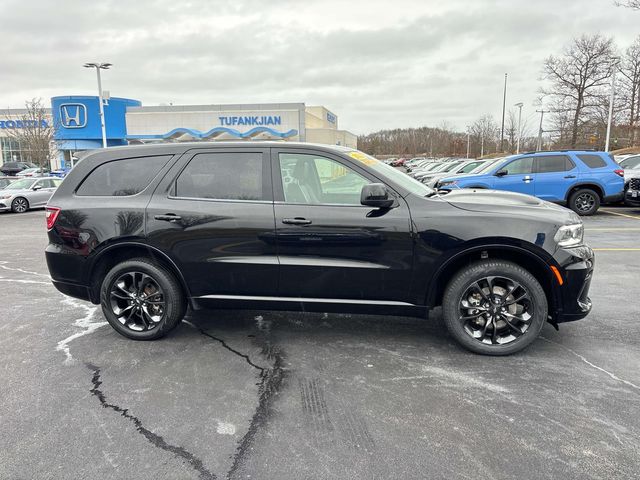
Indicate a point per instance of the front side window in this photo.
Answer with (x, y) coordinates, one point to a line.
(223, 176)
(314, 179)
(519, 167)
(122, 177)
(553, 163)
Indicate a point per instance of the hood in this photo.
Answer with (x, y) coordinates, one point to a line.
(500, 202)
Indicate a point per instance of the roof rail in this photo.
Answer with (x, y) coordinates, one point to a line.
(563, 150)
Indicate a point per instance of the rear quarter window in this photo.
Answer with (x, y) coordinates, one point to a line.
(592, 161)
(123, 177)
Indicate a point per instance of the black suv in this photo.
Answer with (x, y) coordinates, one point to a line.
(147, 231)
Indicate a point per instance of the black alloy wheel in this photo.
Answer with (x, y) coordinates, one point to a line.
(495, 310)
(141, 299)
(137, 301)
(494, 307)
(19, 205)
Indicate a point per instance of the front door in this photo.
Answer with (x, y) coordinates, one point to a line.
(329, 245)
(43, 189)
(519, 176)
(213, 215)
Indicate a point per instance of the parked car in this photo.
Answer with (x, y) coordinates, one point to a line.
(4, 181)
(10, 169)
(581, 180)
(332, 229)
(470, 166)
(27, 193)
(632, 196)
(33, 172)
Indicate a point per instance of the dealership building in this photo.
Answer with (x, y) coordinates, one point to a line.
(77, 125)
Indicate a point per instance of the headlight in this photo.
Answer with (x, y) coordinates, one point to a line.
(570, 235)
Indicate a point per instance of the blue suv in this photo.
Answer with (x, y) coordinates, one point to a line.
(580, 180)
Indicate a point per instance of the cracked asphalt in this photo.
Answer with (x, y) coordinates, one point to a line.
(274, 395)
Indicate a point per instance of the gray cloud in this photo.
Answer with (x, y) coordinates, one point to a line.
(378, 64)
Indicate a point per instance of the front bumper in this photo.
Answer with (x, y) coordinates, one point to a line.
(633, 197)
(572, 297)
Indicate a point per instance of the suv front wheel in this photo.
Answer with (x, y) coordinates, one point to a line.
(494, 307)
(141, 300)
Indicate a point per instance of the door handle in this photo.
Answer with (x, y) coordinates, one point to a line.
(570, 176)
(527, 179)
(169, 217)
(296, 221)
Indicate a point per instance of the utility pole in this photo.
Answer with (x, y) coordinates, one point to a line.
(539, 146)
(504, 106)
(482, 145)
(519, 105)
(611, 98)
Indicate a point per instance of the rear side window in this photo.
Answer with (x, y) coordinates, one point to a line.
(223, 176)
(593, 161)
(122, 177)
(553, 163)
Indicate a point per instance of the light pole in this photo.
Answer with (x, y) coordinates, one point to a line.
(539, 146)
(504, 105)
(519, 105)
(616, 61)
(98, 67)
(468, 141)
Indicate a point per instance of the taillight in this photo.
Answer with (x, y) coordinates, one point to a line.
(51, 214)
(619, 172)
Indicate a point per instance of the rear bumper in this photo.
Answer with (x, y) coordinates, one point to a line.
(573, 295)
(631, 199)
(73, 290)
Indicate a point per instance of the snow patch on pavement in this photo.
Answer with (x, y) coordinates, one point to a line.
(86, 322)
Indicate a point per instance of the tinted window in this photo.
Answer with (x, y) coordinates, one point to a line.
(316, 180)
(122, 177)
(520, 166)
(593, 161)
(553, 163)
(223, 176)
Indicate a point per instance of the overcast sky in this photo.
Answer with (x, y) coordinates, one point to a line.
(376, 64)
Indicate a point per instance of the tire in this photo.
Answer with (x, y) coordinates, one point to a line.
(19, 205)
(466, 325)
(584, 202)
(160, 305)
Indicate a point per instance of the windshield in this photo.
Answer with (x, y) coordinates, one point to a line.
(405, 181)
(450, 166)
(489, 166)
(20, 184)
(631, 162)
(470, 167)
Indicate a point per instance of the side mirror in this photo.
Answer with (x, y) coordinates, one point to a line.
(36, 187)
(376, 195)
(501, 173)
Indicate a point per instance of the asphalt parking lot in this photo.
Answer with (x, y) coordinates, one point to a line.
(269, 395)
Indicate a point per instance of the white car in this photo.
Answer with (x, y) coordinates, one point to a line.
(631, 166)
(31, 172)
(27, 193)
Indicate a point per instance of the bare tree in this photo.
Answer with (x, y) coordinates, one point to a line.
(34, 132)
(485, 133)
(630, 70)
(633, 4)
(577, 75)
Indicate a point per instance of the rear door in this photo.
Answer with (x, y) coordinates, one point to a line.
(329, 245)
(518, 176)
(213, 215)
(554, 175)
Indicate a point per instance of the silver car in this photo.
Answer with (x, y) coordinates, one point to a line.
(26, 193)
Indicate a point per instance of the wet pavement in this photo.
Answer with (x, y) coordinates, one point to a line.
(275, 395)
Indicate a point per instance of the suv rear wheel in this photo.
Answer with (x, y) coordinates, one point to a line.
(584, 201)
(494, 307)
(141, 300)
